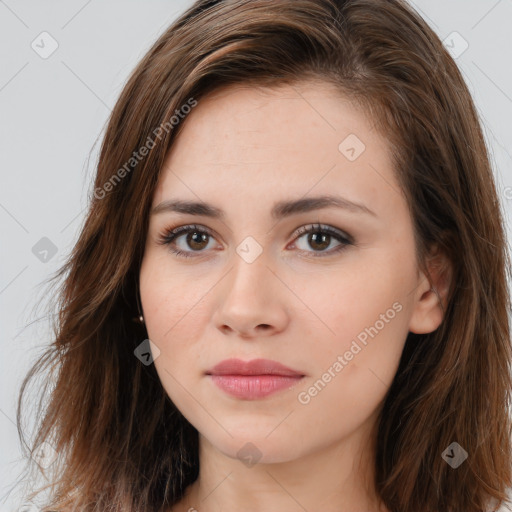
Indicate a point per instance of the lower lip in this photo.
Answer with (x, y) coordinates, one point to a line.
(252, 387)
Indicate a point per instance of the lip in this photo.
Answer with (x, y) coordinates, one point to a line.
(252, 380)
(253, 367)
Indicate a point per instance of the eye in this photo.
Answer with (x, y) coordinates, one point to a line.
(320, 237)
(198, 237)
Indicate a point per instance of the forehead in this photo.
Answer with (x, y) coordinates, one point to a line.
(272, 119)
(248, 142)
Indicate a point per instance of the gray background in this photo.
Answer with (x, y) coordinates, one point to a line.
(53, 110)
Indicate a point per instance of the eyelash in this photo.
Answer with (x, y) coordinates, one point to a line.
(170, 235)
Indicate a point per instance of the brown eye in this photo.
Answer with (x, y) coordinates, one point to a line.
(320, 238)
(319, 241)
(196, 240)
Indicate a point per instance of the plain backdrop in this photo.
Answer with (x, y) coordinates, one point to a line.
(62, 67)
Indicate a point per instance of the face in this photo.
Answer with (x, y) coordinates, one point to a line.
(330, 290)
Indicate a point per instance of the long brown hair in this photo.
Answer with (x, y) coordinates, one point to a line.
(123, 444)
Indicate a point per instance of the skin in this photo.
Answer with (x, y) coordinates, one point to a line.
(242, 149)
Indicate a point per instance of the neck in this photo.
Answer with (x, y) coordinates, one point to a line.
(333, 478)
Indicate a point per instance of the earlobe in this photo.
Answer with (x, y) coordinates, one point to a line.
(427, 314)
(432, 295)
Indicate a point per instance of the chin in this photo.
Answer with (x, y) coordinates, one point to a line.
(256, 446)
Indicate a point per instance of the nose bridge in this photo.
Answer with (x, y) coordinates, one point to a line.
(250, 273)
(249, 296)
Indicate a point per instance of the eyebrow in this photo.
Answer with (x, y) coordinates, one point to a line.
(279, 211)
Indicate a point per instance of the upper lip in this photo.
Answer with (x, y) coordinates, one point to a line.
(253, 367)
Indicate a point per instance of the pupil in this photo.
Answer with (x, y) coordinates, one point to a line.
(314, 237)
(201, 237)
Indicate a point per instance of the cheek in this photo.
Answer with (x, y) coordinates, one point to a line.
(173, 322)
(353, 368)
(341, 406)
(167, 295)
(176, 317)
(361, 316)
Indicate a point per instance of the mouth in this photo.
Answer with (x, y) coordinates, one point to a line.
(254, 387)
(254, 367)
(254, 379)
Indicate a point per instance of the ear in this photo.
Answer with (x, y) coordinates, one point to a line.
(431, 295)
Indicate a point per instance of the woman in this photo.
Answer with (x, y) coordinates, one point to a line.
(294, 202)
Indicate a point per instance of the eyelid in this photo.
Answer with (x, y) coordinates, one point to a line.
(306, 228)
(297, 231)
(165, 236)
(168, 236)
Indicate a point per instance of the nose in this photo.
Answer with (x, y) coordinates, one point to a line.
(251, 300)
